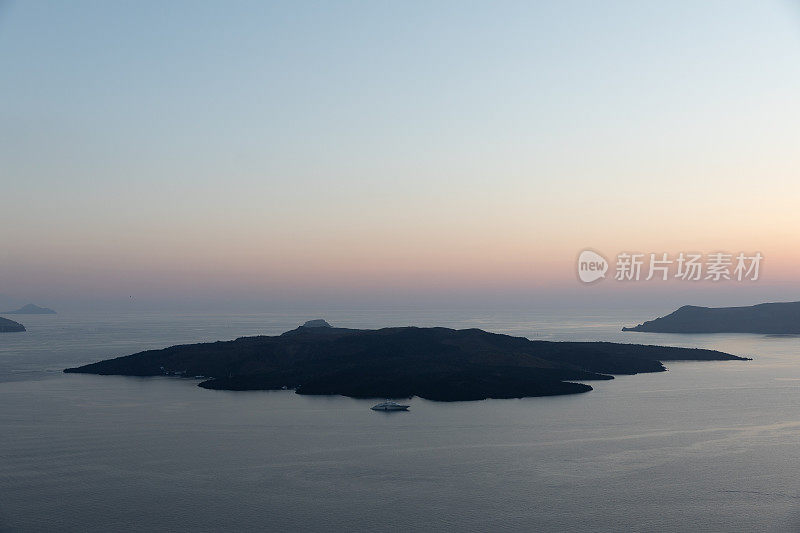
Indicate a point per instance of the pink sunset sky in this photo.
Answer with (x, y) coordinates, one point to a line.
(390, 154)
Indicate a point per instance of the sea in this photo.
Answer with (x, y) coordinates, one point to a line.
(705, 446)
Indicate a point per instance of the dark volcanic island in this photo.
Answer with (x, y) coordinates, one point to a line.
(769, 318)
(433, 363)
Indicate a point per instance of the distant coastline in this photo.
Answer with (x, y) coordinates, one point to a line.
(9, 326)
(782, 318)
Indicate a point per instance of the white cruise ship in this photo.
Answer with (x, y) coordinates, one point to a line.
(389, 405)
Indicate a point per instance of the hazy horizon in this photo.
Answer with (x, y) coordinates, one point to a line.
(246, 156)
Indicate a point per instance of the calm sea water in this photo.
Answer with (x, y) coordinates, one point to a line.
(706, 446)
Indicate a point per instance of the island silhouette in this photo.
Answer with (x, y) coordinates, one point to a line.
(31, 309)
(769, 318)
(399, 362)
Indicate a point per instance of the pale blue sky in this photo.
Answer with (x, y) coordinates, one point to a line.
(319, 145)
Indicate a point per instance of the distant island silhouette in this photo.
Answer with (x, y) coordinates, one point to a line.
(31, 309)
(769, 318)
(9, 326)
(399, 362)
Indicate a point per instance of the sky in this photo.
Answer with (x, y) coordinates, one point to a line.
(248, 155)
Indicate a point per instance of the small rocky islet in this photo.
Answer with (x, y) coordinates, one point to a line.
(30, 309)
